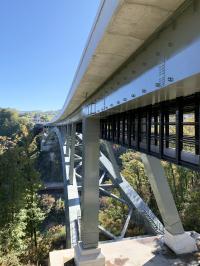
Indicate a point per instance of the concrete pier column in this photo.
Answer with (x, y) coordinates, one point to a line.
(175, 237)
(87, 251)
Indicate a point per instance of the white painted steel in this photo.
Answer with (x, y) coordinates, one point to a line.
(159, 184)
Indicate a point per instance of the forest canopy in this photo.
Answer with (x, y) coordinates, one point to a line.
(21, 209)
(10, 122)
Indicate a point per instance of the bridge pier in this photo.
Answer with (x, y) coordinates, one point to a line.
(72, 150)
(87, 251)
(175, 237)
(62, 134)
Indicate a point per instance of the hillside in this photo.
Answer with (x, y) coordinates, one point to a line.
(38, 116)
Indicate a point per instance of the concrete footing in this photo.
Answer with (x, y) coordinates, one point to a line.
(181, 243)
(137, 251)
(88, 257)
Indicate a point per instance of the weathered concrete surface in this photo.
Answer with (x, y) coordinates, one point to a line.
(146, 251)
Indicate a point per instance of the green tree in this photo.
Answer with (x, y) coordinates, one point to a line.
(12, 183)
(34, 215)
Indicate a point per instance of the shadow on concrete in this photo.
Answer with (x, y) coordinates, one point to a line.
(70, 263)
(166, 257)
(117, 262)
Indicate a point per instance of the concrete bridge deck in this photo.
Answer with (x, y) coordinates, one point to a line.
(139, 251)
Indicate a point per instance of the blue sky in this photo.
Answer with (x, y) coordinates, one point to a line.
(41, 42)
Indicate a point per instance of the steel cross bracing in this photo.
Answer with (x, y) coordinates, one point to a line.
(169, 130)
(128, 195)
(138, 210)
(71, 196)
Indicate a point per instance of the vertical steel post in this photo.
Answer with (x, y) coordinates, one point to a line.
(108, 128)
(179, 130)
(197, 124)
(123, 128)
(129, 126)
(156, 128)
(90, 190)
(72, 150)
(113, 128)
(166, 124)
(148, 135)
(118, 129)
(137, 130)
(161, 131)
(133, 130)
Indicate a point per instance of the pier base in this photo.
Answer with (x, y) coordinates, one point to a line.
(88, 257)
(181, 243)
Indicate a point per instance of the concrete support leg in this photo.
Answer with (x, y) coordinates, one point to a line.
(175, 237)
(87, 251)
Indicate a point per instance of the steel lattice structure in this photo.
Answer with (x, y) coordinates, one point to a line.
(72, 181)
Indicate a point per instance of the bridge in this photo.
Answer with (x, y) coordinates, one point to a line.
(137, 85)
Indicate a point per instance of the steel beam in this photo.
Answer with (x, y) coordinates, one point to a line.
(163, 195)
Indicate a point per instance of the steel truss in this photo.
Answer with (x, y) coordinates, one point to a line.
(169, 130)
(109, 170)
(129, 196)
(71, 195)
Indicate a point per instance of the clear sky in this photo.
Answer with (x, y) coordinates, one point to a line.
(41, 42)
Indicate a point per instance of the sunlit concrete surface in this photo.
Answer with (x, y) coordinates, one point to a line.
(120, 28)
(59, 257)
(141, 251)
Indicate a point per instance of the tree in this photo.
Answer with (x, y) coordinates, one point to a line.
(12, 183)
(12, 235)
(19, 203)
(133, 171)
(34, 214)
